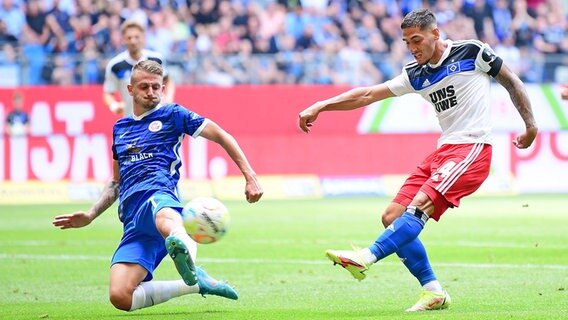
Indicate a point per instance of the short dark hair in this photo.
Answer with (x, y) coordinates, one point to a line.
(421, 18)
(149, 66)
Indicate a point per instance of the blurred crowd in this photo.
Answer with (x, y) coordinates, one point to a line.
(228, 42)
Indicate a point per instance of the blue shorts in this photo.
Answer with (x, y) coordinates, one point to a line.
(141, 242)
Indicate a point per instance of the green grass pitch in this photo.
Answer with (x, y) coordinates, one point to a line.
(502, 257)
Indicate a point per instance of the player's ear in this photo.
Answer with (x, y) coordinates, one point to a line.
(129, 87)
(436, 33)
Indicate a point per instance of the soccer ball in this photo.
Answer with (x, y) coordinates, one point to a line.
(206, 219)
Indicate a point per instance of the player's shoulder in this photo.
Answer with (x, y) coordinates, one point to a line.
(467, 47)
(117, 59)
(122, 122)
(153, 55)
(119, 64)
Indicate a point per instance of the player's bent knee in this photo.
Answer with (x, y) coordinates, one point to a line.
(389, 216)
(393, 211)
(121, 299)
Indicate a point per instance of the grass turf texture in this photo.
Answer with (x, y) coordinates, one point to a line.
(499, 258)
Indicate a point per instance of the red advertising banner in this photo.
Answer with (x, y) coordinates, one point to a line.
(70, 139)
(71, 135)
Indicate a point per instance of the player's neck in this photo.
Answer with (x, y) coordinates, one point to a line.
(441, 46)
(136, 56)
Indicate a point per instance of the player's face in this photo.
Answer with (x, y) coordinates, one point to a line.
(146, 89)
(421, 43)
(133, 39)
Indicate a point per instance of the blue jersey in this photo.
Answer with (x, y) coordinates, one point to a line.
(147, 148)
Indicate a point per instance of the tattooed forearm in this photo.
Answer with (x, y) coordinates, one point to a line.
(518, 95)
(107, 198)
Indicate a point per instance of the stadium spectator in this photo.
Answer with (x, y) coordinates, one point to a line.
(117, 72)
(35, 35)
(523, 24)
(5, 36)
(459, 91)
(17, 120)
(149, 207)
(10, 69)
(550, 39)
(315, 28)
(13, 17)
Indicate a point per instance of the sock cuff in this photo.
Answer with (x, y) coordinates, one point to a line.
(418, 214)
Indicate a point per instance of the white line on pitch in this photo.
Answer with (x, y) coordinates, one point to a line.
(466, 244)
(290, 261)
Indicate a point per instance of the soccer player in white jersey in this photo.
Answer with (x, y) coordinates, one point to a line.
(118, 69)
(145, 174)
(455, 78)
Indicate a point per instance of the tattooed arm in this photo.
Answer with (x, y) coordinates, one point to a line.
(108, 196)
(521, 101)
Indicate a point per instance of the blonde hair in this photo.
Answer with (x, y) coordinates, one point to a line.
(128, 24)
(149, 66)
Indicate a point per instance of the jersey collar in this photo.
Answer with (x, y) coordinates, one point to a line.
(145, 114)
(131, 60)
(444, 55)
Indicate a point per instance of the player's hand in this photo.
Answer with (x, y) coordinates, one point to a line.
(75, 220)
(253, 191)
(117, 107)
(564, 91)
(524, 140)
(308, 117)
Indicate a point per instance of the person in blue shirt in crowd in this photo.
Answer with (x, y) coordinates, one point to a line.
(145, 174)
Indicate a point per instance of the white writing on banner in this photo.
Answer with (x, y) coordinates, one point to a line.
(541, 168)
(74, 115)
(40, 119)
(18, 159)
(544, 167)
(198, 165)
(94, 149)
(47, 155)
(412, 114)
(52, 162)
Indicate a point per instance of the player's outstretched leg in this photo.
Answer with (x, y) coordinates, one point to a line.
(351, 260)
(182, 259)
(431, 301)
(208, 285)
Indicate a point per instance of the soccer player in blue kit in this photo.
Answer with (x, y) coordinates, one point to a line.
(454, 77)
(145, 174)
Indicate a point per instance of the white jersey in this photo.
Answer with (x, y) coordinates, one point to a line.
(458, 87)
(118, 71)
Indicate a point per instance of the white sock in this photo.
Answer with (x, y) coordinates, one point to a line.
(189, 243)
(368, 256)
(151, 293)
(433, 286)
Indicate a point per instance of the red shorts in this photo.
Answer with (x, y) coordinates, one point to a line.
(447, 175)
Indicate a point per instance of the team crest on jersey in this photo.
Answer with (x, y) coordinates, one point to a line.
(155, 126)
(453, 68)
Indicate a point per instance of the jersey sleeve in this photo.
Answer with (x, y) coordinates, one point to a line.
(400, 84)
(488, 61)
(190, 122)
(110, 83)
(114, 152)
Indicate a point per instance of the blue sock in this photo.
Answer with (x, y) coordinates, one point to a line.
(402, 230)
(414, 257)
